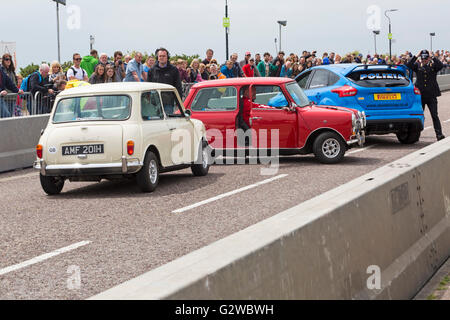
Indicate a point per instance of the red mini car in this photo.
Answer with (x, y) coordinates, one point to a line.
(273, 113)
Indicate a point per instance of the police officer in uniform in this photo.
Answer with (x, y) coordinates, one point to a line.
(426, 71)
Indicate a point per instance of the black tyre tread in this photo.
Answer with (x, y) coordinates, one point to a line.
(51, 185)
(317, 148)
(411, 137)
(197, 168)
(143, 177)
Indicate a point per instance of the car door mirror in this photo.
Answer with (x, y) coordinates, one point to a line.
(188, 113)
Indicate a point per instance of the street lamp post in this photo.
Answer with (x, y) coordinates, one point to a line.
(91, 41)
(226, 24)
(390, 32)
(63, 2)
(375, 33)
(432, 34)
(281, 23)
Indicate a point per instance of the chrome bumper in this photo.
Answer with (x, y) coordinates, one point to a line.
(126, 166)
(359, 130)
(359, 139)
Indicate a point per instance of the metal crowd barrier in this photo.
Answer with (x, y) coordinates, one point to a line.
(16, 105)
(42, 103)
(19, 105)
(445, 70)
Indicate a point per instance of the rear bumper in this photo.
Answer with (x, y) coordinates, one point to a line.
(126, 166)
(385, 126)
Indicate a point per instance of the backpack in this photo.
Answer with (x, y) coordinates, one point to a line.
(25, 86)
(75, 72)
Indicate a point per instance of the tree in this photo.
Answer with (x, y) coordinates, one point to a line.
(25, 72)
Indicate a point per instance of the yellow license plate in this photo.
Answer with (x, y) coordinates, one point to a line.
(387, 96)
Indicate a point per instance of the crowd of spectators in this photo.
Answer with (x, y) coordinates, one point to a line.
(95, 69)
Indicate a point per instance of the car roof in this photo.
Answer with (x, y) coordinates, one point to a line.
(345, 68)
(243, 82)
(114, 88)
(341, 68)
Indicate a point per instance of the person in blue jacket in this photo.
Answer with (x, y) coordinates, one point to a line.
(227, 69)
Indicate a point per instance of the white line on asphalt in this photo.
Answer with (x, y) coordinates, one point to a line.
(198, 204)
(362, 149)
(34, 174)
(426, 128)
(42, 257)
(448, 120)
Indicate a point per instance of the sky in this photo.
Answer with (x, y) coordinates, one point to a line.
(191, 26)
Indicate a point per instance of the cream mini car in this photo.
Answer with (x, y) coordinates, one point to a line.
(119, 130)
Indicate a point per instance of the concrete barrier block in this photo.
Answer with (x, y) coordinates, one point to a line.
(22, 134)
(325, 248)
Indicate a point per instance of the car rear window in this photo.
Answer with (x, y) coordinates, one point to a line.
(215, 99)
(93, 108)
(379, 78)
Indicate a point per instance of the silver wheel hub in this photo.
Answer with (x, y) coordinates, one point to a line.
(153, 171)
(331, 148)
(204, 158)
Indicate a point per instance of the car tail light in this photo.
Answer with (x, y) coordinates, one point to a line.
(130, 147)
(416, 90)
(39, 151)
(345, 91)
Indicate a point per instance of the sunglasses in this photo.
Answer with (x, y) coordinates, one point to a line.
(77, 59)
(7, 59)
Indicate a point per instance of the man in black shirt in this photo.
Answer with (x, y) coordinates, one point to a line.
(164, 72)
(426, 72)
(209, 56)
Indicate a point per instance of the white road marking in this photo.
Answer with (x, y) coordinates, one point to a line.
(34, 174)
(198, 204)
(42, 257)
(362, 149)
(448, 120)
(426, 128)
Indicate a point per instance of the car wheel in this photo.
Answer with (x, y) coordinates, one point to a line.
(202, 168)
(51, 185)
(148, 177)
(409, 137)
(329, 148)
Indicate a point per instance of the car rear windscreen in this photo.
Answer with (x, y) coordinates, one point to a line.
(93, 108)
(379, 78)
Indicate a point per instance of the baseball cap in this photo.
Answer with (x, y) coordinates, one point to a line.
(424, 54)
(248, 53)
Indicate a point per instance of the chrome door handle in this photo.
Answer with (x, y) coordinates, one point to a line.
(256, 118)
(171, 129)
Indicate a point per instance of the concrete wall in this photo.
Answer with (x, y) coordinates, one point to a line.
(19, 137)
(444, 82)
(396, 217)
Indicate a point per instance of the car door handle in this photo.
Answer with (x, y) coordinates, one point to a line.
(256, 118)
(171, 129)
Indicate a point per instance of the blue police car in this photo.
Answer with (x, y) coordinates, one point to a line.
(385, 93)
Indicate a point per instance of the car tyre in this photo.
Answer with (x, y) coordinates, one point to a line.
(409, 137)
(329, 148)
(148, 177)
(201, 168)
(51, 185)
